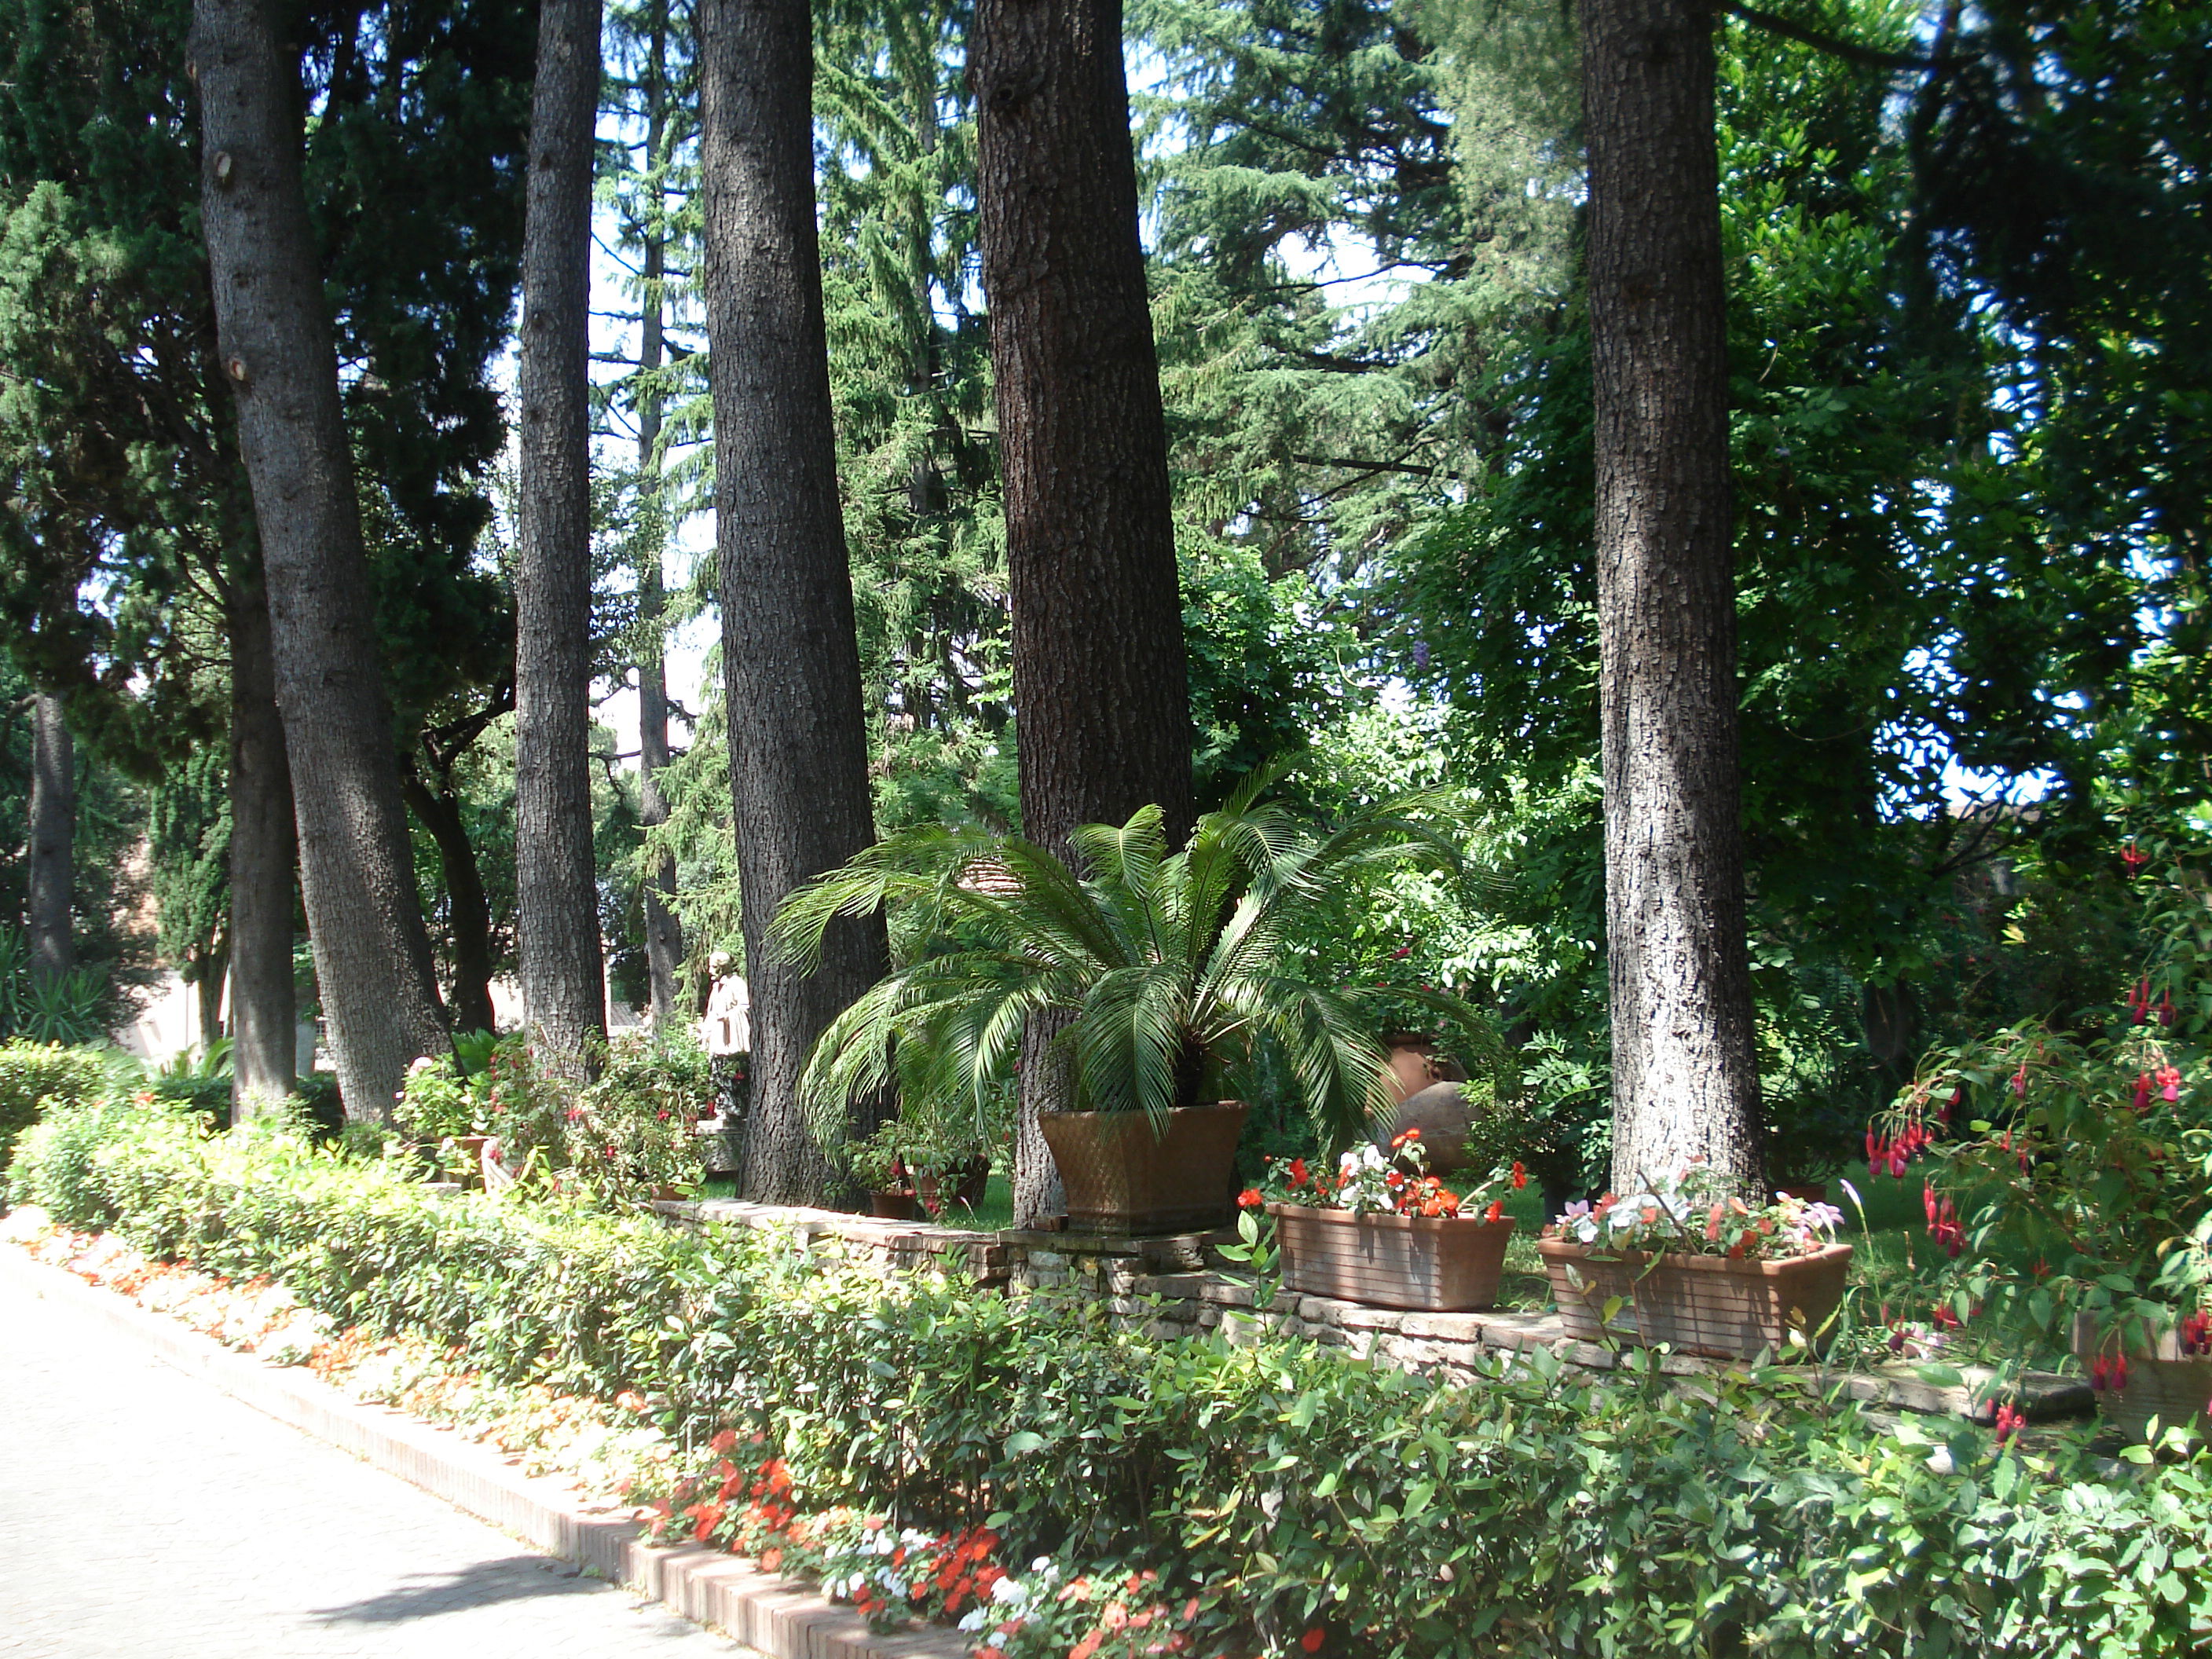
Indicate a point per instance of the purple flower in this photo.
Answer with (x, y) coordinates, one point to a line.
(1420, 653)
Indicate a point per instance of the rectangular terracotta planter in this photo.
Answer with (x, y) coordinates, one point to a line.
(1436, 1264)
(1700, 1305)
(1121, 1177)
(2162, 1382)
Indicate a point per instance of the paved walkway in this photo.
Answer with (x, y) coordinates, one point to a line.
(144, 1514)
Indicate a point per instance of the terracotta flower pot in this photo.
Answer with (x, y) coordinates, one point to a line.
(891, 1206)
(966, 1186)
(1122, 1178)
(2162, 1382)
(1702, 1304)
(1437, 1264)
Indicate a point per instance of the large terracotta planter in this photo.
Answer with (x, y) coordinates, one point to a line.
(1701, 1304)
(893, 1205)
(1120, 1178)
(1436, 1264)
(2162, 1382)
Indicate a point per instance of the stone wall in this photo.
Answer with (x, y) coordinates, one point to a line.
(1180, 1285)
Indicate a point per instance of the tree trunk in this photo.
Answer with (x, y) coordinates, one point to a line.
(1685, 1071)
(797, 741)
(357, 874)
(264, 1006)
(556, 887)
(1101, 688)
(214, 966)
(52, 839)
(468, 910)
(664, 933)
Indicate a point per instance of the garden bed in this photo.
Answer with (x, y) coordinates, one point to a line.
(1284, 1498)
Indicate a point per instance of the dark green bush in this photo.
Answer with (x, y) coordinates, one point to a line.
(1526, 1515)
(35, 1077)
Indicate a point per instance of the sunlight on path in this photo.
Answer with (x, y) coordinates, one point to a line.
(143, 1515)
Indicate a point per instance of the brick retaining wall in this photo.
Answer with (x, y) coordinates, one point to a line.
(1179, 1285)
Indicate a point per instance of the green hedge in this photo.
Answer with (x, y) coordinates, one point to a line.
(1524, 1515)
(37, 1076)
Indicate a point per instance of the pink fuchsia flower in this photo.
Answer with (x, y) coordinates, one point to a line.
(2009, 1422)
(2169, 1085)
(2142, 1092)
(2133, 856)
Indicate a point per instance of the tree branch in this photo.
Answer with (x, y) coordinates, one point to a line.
(1850, 51)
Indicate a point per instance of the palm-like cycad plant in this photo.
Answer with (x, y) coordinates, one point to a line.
(1168, 968)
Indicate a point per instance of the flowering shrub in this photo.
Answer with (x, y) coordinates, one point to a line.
(2072, 1171)
(633, 1128)
(1694, 1214)
(1312, 1505)
(1370, 1182)
(630, 1129)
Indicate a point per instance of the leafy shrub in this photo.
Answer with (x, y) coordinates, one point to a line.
(1532, 1513)
(75, 1008)
(36, 1077)
(199, 1080)
(2073, 1169)
(635, 1125)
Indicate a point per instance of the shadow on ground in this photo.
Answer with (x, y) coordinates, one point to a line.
(484, 1584)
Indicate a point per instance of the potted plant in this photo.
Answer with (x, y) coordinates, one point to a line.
(2071, 1174)
(879, 1168)
(1160, 970)
(1689, 1264)
(1382, 1230)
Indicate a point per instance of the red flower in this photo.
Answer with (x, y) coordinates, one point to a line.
(1312, 1639)
(2133, 856)
(2142, 1092)
(1496, 1212)
(1297, 1172)
(1250, 1199)
(1520, 1176)
(2009, 1422)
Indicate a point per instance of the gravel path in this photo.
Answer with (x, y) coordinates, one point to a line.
(144, 1514)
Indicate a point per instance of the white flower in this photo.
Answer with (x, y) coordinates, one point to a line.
(1043, 1564)
(1010, 1589)
(972, 1620)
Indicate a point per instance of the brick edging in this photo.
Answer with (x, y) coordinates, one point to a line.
(783, 1618)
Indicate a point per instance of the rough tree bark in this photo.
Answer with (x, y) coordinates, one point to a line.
(556, 890)
(263, 1005)
(664, 933)
(1101, 686)
(798, 743)
(52, 848)
(356, 872)
(1684, 1073)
